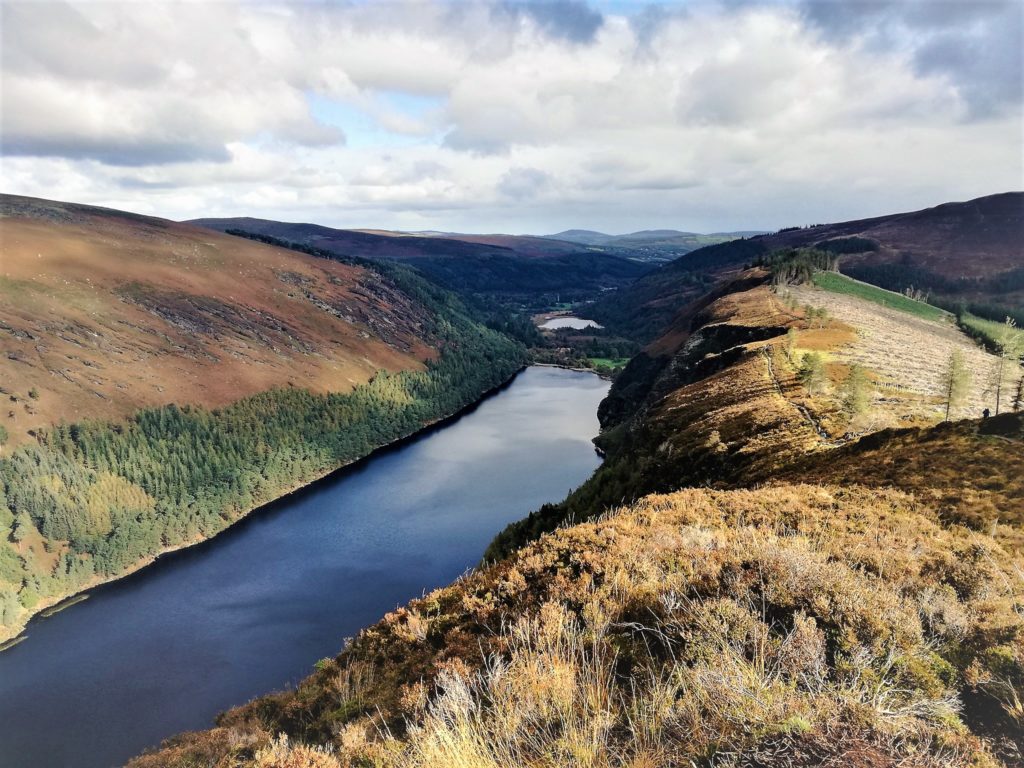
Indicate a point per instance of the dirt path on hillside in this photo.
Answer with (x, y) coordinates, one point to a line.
(804, 411)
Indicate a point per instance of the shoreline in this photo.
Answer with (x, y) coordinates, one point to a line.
(17, 633)
(599, 375)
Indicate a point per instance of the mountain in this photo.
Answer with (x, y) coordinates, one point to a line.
(766, 570)
(107, 312)
(162, 380)
(653, 245)
(471, 264)
(970, 252)
(524, 245)
(584, 236)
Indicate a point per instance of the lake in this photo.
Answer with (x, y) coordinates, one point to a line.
(200, 630)
(568, 322)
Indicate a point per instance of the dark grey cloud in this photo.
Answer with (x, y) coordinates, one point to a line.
(523, 183)
(124, 153)
(976, 44)
(55, 39)
(649, 20)
(568, 20)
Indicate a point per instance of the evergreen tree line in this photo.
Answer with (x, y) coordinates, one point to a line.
(92, 499)
(796, 266)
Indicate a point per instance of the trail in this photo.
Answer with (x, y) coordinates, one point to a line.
(805, 412)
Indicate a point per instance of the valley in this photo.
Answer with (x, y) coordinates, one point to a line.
(163, 381)
(533, 384)
(806, 494)
(169, 647)
(788, 556)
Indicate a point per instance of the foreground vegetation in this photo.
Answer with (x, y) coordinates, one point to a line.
(90, 501)
(794, 625)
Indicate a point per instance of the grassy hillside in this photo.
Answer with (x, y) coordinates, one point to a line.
(993, 334)
(103, 313)
(718, 398)
(956, 253)
(837, 283)
(870, 618)
(88, 494)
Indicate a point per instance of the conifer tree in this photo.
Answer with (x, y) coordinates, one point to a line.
(856, 392)
(956, 382)
(812, 372)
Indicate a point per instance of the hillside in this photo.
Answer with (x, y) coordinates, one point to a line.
(653, 245)
(731, 614)
(470, 264)
(104, 313)
(969, 252)
(718, 399)
(163, 380)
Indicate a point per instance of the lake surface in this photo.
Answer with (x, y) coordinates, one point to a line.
(250, 611)
(568, 322)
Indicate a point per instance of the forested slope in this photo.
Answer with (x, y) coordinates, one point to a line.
(336, 358)
(471, 265)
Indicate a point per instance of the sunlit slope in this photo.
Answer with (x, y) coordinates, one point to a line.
(719, 399)
(163, 381)
(104, 312)
(797, 625)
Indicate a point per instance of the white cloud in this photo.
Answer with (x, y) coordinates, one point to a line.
(485, 116)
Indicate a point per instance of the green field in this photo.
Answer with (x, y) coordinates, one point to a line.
(988, 331)
(608, 362)
(837, 283)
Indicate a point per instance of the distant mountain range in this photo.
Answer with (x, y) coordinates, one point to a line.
(493, 264)
(650, 237)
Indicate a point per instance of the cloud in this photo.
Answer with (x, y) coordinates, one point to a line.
(146, 85)
(522, 183)
(975, 44)
(510, 115)
(564, 19)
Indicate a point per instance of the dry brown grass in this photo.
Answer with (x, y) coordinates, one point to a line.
(792, 625)
(907, 353)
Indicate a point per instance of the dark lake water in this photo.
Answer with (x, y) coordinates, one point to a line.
(203, 629)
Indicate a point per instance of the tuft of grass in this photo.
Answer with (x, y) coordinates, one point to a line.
(837, 283)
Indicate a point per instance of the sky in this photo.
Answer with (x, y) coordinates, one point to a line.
(512, 116)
